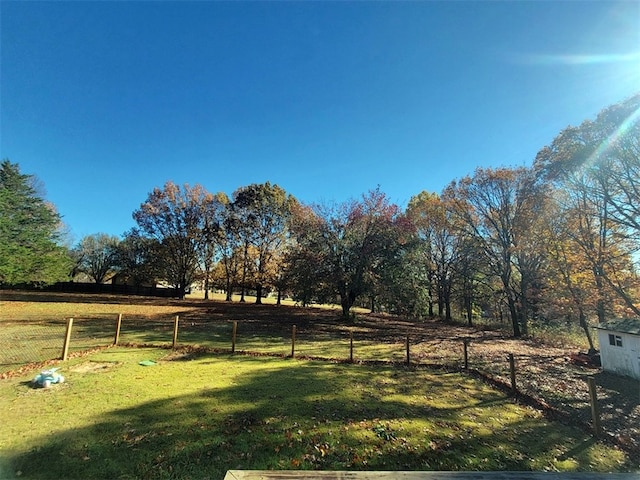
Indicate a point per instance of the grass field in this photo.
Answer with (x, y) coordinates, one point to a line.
(33, 326)
(196, 415)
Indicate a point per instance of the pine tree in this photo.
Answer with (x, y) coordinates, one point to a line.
(30, 252)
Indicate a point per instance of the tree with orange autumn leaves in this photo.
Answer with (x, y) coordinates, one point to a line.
(499, 208)
(551, 243)
(174, 217)
(595, 169)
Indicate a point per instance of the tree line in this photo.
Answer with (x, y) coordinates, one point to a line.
(557, 241)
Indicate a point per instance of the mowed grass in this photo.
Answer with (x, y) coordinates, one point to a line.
(33, 326)
(198, 416)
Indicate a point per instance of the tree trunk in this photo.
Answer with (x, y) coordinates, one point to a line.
(524, 320)
(469, 309)
(278, 302)
(430, 295)
(346, 301)
(523, 311)
(244, 271)
(206, 286)
(505, 276)
(259, 294)
(513, 312)
(228, 289)
(587, 330)
(440, 301)
(600, 302)
(345, 308)
(446, 297)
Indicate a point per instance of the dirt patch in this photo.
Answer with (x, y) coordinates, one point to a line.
(94, 367)
(179, 356)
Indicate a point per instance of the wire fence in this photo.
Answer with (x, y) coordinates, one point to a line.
(549, 379)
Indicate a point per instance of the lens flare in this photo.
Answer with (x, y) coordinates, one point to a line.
(535, 59)
(612, 139)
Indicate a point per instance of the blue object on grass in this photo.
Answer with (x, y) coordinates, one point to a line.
(48, 377)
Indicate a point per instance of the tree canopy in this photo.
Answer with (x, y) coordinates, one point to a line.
(174, 217)
(349, 246)
(597, 167)
(527, 246)
(97, 255)
(263, 211)
(30, 232)
(557, 242)
(136, 259)
(498, 208)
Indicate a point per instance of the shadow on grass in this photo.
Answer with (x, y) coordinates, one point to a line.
(299, 415)
(618, 398)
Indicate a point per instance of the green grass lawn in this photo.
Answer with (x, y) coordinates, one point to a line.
(33, 326)
(198, 416)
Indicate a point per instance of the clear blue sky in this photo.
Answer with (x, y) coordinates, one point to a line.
(103, 101)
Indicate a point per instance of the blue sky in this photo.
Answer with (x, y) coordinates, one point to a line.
(103, 101)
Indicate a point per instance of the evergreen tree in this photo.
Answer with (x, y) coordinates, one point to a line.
(30, 252)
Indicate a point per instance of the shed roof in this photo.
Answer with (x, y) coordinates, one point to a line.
(626, 325)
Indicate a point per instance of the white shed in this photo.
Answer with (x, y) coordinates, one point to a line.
(620, 346)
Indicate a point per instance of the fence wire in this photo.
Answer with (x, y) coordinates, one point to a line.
(549, 378)
(30, 340)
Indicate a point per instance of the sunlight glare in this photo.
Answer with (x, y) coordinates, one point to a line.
(630, 57)
(612, 139)
(604, 78)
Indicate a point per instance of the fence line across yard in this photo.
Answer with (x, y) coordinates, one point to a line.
(48, 340)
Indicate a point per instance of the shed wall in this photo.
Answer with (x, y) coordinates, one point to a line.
(623, 360)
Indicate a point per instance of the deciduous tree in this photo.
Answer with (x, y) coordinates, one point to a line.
(597, 165)
(174, 217)
(229, 245)
(436, 230)
(350, 243)
(498, 207)
(97, 254)
(470, 272)
(302, 257)
(573, 292)
(214, 209)
(263, 212)
(136, 258)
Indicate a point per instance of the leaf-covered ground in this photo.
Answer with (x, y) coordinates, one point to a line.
(545, 373)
